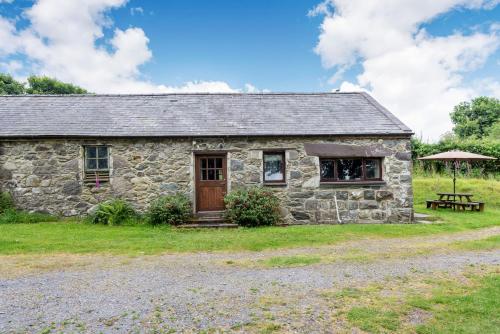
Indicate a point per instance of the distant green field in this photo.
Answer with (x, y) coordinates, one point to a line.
(72, 237)
(485, 190)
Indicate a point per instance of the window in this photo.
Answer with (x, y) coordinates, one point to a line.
(350, 170)
(211, 169)
(96, 158)
(373, 169)
(274, 167)
(96, 164)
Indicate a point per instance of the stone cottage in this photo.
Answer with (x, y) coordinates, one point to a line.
(330, 157)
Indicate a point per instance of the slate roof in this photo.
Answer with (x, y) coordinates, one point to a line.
(173, 115)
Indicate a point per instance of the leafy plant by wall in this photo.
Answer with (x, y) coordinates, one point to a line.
(113, 212)
(6, 202)
(171, 210)
(12, 216)
(252, 207)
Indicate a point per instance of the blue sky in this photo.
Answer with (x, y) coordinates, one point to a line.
(266, 43)
(271, 45)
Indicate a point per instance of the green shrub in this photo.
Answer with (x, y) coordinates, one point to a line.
(114, 212)
(485, 146)
(252, 207)
(6, 202)
(171, 209)
(11, 216)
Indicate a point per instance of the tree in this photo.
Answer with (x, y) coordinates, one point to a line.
(9, 86)
(495, 131)
(46, 85)
(475, 118)
(37, 85)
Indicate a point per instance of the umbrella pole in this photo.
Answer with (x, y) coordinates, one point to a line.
(454, 176)
(454, 181)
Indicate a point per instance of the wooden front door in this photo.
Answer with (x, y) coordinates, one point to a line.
(211, 182)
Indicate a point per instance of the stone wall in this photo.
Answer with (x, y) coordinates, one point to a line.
(46, 175)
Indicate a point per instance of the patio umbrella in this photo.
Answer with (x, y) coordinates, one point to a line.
(456, 156)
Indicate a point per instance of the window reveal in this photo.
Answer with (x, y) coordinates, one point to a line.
(350, 170)
(96, 165)
(274, 166)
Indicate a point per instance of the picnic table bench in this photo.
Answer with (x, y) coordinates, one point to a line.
(449, 200)
(453, 196)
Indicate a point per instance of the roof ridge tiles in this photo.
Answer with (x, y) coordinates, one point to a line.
(184, 93)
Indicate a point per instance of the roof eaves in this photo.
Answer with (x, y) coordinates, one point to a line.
(385, 134)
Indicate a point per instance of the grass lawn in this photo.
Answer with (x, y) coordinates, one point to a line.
(474, 311)
(70, 237)
(485, 190)
(459, 303)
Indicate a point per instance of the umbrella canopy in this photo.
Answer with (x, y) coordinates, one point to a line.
(457, 156)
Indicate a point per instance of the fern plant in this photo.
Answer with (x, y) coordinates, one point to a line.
(6, 202)
(113, 212)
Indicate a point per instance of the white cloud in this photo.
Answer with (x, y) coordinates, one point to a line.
(488, 86)
(347, 86)
(417, 76)
(323, 8)
(12, 66)
(8, 39)
(136, 10)
(199, 86)
(66, 40)
(249, 88)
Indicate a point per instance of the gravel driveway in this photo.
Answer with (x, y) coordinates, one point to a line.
(193, 292)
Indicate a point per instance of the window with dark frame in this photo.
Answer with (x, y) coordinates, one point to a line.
(350, 169)
(96, 164)
(96, 158)
(211, 169)
(274, 167)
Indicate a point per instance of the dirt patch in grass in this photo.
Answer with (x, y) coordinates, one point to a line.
(489, 243)
(290, 261)
(417, 317)
(25, 265)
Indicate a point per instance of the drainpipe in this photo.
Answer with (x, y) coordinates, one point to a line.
(337, 208)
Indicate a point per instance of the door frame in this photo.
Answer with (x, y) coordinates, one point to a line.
(197, 180)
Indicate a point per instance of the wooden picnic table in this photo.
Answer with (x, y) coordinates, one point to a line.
(453, 196)
(449, 200)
